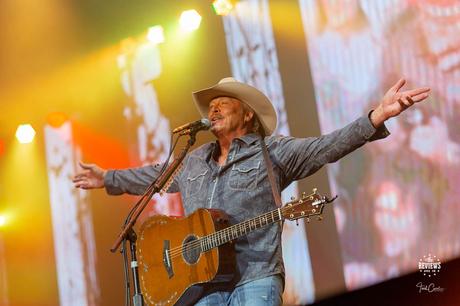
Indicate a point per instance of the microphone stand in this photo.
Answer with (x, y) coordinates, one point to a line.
(128, 232)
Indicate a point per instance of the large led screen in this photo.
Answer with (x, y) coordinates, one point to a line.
(398, 197)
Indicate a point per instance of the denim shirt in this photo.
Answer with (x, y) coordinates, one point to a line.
(241, 187)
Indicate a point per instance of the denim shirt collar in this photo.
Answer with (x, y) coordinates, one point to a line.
(247, 139)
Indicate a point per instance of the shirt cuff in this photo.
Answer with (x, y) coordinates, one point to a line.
(370, 132)
(109, 183)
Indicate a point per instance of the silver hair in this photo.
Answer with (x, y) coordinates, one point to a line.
(256, 125)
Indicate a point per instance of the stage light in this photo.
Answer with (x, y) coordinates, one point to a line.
(25, 133)
(189, 20)
(2, 220)
(155, 34)
(56, 119)
(222, 7)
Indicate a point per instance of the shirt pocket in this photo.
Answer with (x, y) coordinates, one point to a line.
(195, 182)
(244, 175)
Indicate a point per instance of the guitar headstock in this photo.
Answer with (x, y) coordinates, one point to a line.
(305, 207)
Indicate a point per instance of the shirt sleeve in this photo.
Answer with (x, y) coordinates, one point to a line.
(134, 180)
(301, 157)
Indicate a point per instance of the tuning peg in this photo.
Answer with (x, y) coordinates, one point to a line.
(320, 218)
(315, 190)
(308, 220)
(304, 194)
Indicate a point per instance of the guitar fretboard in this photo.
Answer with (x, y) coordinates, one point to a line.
(235, 231)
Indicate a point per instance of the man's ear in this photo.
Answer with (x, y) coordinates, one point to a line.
(248, 116)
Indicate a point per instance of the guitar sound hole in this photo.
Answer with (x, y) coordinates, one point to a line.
(191, 249)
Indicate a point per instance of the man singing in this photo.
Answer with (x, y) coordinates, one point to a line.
(231, 174)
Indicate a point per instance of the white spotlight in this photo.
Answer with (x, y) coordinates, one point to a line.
(25, 133)
(190, 20)
(155, 34)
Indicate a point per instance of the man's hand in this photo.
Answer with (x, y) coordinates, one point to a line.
(91, 177)
(395, 102)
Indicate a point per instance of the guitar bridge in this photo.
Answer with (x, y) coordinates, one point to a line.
(167, 259)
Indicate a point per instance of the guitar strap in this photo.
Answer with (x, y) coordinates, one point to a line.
(271, 176)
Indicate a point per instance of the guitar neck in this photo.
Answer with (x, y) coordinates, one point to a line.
(241, 229)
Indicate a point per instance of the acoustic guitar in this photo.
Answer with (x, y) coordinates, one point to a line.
(174, 254)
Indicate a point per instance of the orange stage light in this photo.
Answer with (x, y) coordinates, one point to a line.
(57, 119)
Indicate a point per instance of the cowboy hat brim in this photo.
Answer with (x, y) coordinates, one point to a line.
(253, 97)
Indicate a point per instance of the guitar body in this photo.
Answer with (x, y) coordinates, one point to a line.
(175, 254)
(167, 271)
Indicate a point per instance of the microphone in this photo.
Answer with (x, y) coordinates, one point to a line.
(195, 126)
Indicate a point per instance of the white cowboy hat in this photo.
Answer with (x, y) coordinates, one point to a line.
(254, 98)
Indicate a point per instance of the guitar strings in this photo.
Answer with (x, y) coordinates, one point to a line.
(176, 251)
(196, 244)
(190, 246)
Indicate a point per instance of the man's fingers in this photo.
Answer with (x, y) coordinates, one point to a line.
(420, 97)
(90, 177)
(86, 166)
(417, 91)
(405, 102)
(79, 184)
(79, 180)
(409, 100)
(83, 184)
(81, 175)
(396, 87)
